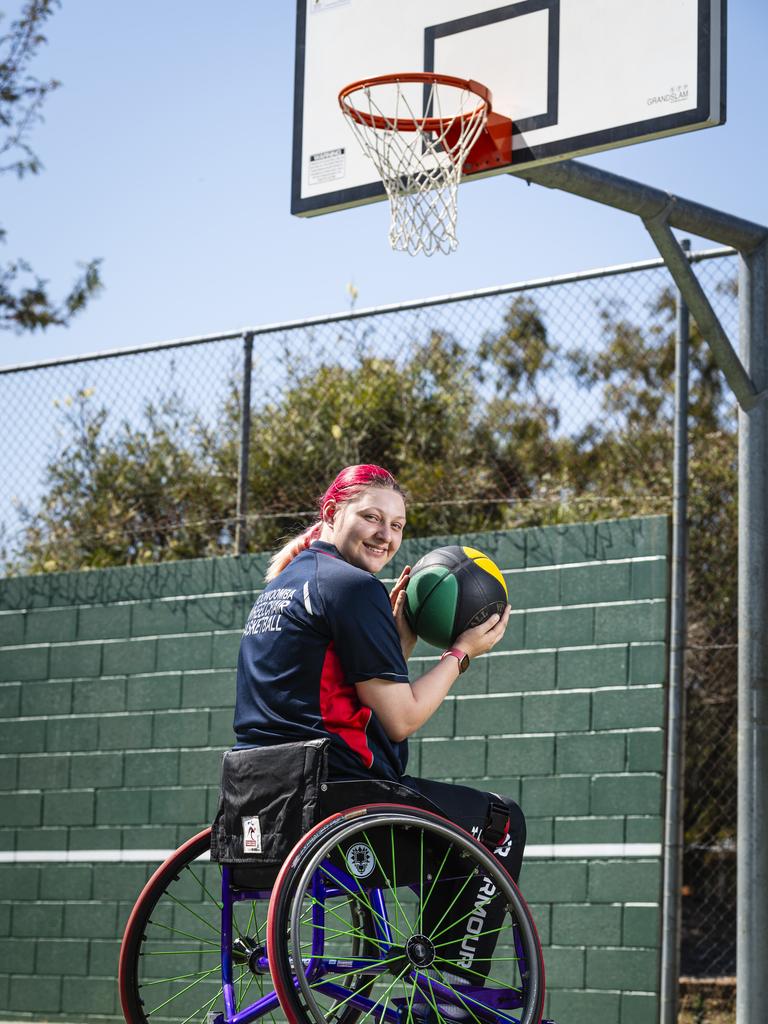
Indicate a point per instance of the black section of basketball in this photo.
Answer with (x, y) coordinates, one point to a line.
(451, 556)
(479, 594)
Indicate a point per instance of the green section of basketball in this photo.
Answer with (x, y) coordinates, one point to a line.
(452, 589)
(430, 603)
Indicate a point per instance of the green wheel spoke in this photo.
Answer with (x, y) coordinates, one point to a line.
(252, 920)
(334, 933)
(490, 931)
(392, 885)
(328, 910)
(363, 924)
(180, 977)
(201, 1009)
(394, 871)
(420, 913)
(243, 992)
(204, 888)
(433, 884)
(181, 992)
(180, 952)
(343, 1002)
(430, 995)
(485, 977)
(410, 997)
(354, 933)
(384, 996)
(463, 1002)
(362, 897)
(187, 935)
(434, 934)
(240, 990)
(194, 913)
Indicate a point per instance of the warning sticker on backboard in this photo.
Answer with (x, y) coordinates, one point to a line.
(251, 835)
(324, 5)
(327, 166)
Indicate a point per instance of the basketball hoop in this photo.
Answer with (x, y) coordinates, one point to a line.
(423, 131)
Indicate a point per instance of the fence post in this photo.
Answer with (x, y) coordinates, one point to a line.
(673, 813)
(241, 538)
(752, 826)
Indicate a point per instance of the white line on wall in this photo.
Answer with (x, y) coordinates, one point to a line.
(542, 851)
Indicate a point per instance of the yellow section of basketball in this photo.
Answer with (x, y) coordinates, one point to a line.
(486, 563)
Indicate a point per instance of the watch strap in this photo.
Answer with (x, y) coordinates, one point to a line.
(461, 656)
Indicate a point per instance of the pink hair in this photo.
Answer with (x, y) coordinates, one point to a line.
(349, 483)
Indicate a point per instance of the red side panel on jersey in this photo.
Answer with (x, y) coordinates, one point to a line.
(341, 711)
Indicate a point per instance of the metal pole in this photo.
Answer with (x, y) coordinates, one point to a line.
(647, 202)
(751, 241)
(752, 843)
(673, 814)
(241, 539)
(709, 325)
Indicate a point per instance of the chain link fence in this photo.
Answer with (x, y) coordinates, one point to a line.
(545, 402)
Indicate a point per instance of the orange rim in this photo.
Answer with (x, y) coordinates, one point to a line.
(407, 124)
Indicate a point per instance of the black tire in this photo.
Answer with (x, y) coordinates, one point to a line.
(170, 957)
(420, 971)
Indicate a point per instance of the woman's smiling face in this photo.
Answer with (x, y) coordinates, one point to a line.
(367, 530)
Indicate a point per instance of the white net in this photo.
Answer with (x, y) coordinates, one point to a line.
(418, 135)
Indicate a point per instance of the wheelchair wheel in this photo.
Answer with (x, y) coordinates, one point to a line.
(453, 940)
(170, 957)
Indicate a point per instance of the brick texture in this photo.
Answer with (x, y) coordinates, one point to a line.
(116, 696)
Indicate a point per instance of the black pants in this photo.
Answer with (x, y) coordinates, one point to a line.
(479, 910)
(469, 808)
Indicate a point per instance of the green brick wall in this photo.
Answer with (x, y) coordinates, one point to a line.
(116, 692)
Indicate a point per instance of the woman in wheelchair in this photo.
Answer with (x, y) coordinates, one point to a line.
(398, 900)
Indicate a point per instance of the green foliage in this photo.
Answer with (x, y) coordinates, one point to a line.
(475, 434)
(157, 492)
(481, 437)
(25, 304)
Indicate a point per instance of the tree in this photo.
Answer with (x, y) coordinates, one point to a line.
(165, 488)
(25, 304)
(160, 490)
(475, 434)
(485, 436)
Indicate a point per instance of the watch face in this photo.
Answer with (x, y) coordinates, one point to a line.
(460, 656)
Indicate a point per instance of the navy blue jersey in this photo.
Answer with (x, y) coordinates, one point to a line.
(317, 629)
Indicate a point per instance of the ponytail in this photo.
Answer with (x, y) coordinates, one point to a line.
(347, 484)
(288, 551)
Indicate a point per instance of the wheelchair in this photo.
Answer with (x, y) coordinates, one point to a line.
(359, 924)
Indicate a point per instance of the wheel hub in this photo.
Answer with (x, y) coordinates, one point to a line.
(420, 951)
(247, 950)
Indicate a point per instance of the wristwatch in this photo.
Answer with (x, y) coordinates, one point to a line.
(462, 658)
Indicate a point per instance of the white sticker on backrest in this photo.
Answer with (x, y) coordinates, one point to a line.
(251, 835)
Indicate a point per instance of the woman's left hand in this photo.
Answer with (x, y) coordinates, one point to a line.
(397, 597)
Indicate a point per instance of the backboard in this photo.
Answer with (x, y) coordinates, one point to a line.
(575, 76)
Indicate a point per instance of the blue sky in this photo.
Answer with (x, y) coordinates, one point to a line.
(167, 153)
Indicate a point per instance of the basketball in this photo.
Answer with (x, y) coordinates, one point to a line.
(450, 590)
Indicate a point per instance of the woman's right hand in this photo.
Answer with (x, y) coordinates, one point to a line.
(480, 639)
(402, 708)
